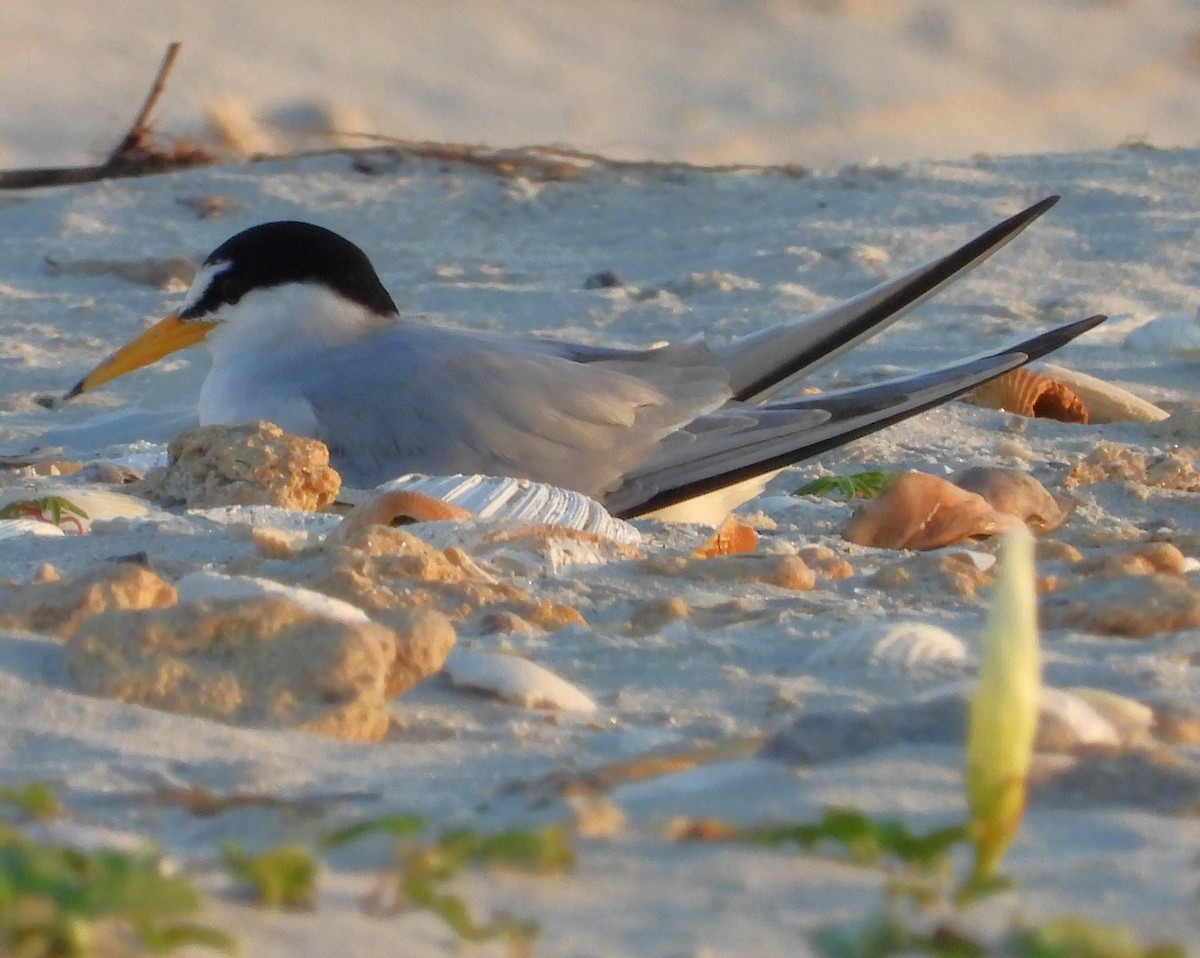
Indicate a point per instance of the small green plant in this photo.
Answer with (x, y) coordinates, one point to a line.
(281, 877)
(859, 485)
(888, 933)
(420, 869)
(866, 840)
(63, 902)
(32, 801)
(1000, 735)
(53, 509)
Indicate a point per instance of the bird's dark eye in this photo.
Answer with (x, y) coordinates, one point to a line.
(224, 290)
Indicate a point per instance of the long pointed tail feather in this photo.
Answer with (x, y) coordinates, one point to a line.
(754, 362)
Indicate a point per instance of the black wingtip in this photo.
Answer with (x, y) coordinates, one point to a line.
(1026, 216)
(1049, 341)
(903, 297)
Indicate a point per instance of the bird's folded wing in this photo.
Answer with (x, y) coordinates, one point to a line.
(423, 399)
(740, 441)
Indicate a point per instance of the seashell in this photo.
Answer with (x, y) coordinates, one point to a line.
(514, 680)
(13, 528)
(518, 499)
(1132, 719)
(1104, 401)
(909, 648)
(1029, 393)
(1017, 494)
(395, 508)
(1067, 722)
(919, 511)
(204, 584)
(733, 537)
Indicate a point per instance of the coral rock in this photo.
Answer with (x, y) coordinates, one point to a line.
(783, 571)
(1133, 607)
(259, 662)
(253, 464)
(1109, 461)
(384, 571)
(58, 606)
(423, 640)
(1142, 560)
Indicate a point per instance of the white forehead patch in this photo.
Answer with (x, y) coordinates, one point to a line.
(204, 276)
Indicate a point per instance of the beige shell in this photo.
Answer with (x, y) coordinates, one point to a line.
(1104, 401)
(1017, 494)
(1029, 393)
(919, 511)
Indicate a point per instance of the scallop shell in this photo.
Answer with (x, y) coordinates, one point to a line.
(521, 499)
(514, 680)
(915, 649)
(1030, 393)
(1104, 401)
(204, 584)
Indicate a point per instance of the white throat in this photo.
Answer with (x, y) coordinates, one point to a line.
(294, 318)
(261, 340)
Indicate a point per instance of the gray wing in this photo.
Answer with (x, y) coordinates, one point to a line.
(423, 399)
(740, 441)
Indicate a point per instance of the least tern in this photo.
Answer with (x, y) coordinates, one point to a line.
(303, 333)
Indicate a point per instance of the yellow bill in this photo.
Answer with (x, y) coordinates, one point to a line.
(163, 338)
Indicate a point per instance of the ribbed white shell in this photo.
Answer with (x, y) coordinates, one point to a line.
(523, 500)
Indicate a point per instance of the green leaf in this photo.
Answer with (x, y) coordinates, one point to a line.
(281, 877)
(32, 800)
(1074, 937)
(398, 826)
(859, 485)
(547, 850)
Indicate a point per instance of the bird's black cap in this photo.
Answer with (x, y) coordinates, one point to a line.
(289, 251)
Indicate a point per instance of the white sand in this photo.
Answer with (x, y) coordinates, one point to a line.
(730, 254)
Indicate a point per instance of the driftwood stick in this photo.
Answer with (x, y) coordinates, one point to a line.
(134, 139)
(133, 156)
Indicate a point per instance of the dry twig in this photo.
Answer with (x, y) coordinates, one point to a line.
(135, 155)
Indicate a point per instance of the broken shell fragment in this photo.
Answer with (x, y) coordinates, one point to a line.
(1029, 393)
(514, 680)
(733, 537)
(919, 511)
